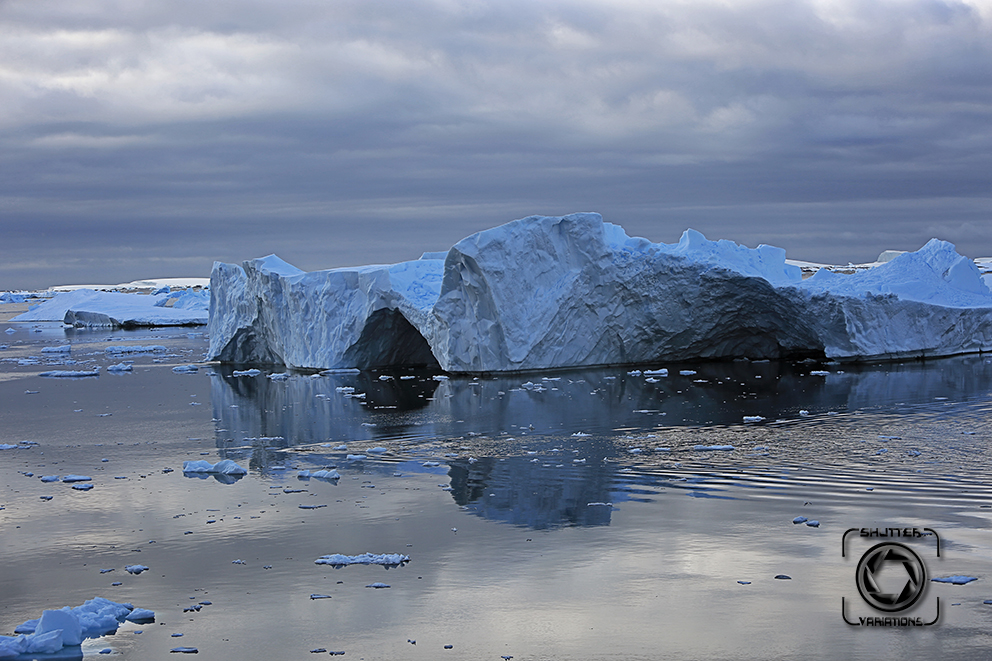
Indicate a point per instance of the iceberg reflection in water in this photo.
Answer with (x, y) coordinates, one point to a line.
(546, 450)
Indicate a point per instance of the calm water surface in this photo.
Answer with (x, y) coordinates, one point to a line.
(563, 515)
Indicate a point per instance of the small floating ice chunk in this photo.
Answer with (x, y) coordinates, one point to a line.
(311, 507)
(956, 580)
(440, 377)
(82, 487)
(223, 467)
(68, 479)
(661, 372)
(355, 457)
(783, 577)
(184, 650)
(385, 559)
(753, 418)
(431, 464)
(813, 524)
(135, 569)
(121, 367)
(281, 376)
(378, 586)
(687, 372)
(378, 450)
(185, 369)
(819, 373)
(599, 504)
(580, 434)
(320, 596)
(251, 372)
(800, 519)
(141, 616)
(803, 412)
(712, 448)
(50, 478)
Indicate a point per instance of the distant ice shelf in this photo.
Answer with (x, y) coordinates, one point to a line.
(102, 309)
(571, 291)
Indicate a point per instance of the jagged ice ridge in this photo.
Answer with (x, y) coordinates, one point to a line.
(551, 292)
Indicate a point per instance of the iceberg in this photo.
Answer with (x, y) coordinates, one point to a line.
(574, 291)
(102, 309)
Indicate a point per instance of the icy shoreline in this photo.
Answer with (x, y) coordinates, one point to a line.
(574, 291)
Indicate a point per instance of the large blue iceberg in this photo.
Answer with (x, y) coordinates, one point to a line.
(555, 292)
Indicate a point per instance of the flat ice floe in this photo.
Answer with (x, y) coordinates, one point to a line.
(570, 291)
(70, 374)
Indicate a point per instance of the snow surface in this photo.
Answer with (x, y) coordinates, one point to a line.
(90, 308)
(550, 292)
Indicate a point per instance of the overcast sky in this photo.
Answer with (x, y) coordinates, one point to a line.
(150, 138)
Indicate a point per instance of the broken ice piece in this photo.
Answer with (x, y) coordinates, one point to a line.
(813, 524)
(385, 559)
(184, 650)
(783, 577)
(141, 616)
(956, 580)
(135, 569)
(320, 596)
(800, 519)
(377, 585)
(223, 467)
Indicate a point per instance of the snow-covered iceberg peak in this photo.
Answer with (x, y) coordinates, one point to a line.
(567, 291)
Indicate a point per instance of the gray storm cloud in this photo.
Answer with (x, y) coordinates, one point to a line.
(166, 135)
